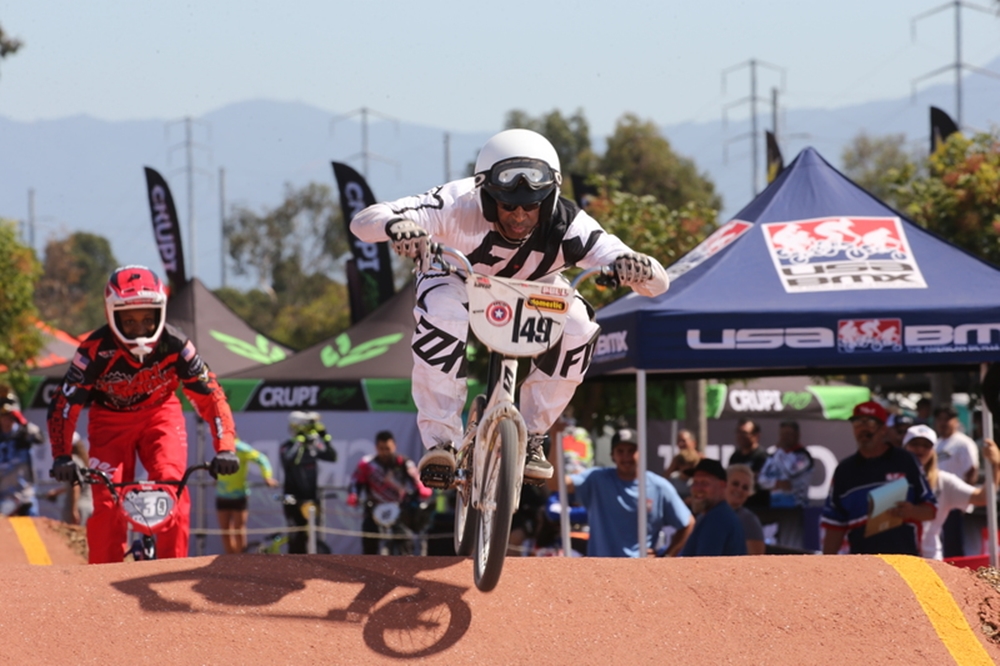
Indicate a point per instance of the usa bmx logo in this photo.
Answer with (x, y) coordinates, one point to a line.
(498, 313)
(870, 335)
(842, 253)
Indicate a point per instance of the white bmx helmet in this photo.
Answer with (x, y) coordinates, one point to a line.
(518, 167)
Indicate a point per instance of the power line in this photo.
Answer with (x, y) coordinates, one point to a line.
(752, 99)
(958, 65)
(189, 145)
(365, 154)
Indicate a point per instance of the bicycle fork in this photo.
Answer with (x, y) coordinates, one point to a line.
(501, 381)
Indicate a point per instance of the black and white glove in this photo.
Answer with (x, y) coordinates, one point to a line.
(632, 269)
(408, 238)
(224, 464)
(64, 469)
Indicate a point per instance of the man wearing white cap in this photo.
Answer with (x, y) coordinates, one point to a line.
(952, 492)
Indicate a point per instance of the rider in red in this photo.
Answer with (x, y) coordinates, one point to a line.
(128, 373)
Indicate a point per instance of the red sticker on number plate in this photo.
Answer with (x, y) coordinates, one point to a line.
(498, 313)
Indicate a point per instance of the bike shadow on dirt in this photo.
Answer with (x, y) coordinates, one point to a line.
(412, 625)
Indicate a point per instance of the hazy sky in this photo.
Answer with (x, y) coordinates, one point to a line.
(461, 66)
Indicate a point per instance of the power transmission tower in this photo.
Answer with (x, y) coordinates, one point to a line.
(189, 145)
(447, 156)
(958, 65)
(365, 154)
(222, 224)
(752, 99)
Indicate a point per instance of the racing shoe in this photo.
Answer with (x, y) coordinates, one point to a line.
(437, 466)
(536, 468)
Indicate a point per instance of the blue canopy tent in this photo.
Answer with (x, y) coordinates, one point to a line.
(814, 276)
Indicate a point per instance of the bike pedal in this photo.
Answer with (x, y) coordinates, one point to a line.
(531, 481)
(437, 476)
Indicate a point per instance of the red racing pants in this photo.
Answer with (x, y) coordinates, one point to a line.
(158, 437)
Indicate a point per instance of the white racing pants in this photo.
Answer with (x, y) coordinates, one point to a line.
(440, 371)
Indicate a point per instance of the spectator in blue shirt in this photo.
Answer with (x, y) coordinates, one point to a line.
(611, 495)
(718, 530)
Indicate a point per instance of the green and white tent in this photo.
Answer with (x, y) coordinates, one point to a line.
(365, 368)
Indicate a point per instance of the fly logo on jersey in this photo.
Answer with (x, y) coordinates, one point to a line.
(842, 253)
(124, 390)
(498, 313)
(187, 353)
(870, 335)
(720, 239)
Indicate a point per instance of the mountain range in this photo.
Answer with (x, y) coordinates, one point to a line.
(87, 174)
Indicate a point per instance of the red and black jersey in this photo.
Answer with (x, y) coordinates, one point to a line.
(104, 373)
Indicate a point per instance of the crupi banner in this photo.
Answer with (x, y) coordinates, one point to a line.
(369, 278)
(166, 228)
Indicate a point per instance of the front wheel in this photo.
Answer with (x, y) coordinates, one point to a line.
(496, 508)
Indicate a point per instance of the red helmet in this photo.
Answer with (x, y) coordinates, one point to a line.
(134, 288)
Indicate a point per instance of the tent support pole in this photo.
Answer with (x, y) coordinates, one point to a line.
(563, 496)
(991, 486)
(640, 407)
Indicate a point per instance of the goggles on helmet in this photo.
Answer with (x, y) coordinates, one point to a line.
(508, 175)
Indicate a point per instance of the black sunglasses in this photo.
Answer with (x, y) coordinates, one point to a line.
(527, 208)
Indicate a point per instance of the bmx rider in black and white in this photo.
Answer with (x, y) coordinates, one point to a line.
(510, 220)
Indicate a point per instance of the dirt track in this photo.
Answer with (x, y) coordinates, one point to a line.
(354, 609)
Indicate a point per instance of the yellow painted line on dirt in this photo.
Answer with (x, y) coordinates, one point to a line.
(31, 541)
(941, 609)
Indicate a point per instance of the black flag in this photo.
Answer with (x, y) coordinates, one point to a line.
(581, 190)
(370, 282)
(166, 228)
(942, 126)
(775, 163)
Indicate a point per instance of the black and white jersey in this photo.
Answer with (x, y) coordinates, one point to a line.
(452, 215)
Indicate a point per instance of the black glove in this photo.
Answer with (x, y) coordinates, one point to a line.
(27, 435)
(224, 464)
(64, 469)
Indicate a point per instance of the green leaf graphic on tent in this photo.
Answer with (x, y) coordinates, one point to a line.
(345, 355)
(796, 399)
(262, 351)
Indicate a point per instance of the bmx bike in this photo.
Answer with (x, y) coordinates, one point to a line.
(401, 525)
(146, 505)
(513, 319)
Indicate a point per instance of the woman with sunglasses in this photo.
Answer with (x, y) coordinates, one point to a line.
(950, 490)
(510, 221)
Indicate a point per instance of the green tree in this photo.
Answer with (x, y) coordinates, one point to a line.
(292, 251)
(569, 136)
(874, 162)
(641, 159)
(19, 339)
(647, 226)
(285, 246)
(956, 193)
(70, 293)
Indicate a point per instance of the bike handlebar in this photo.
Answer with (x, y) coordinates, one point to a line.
(94, 476)
(606, 275)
